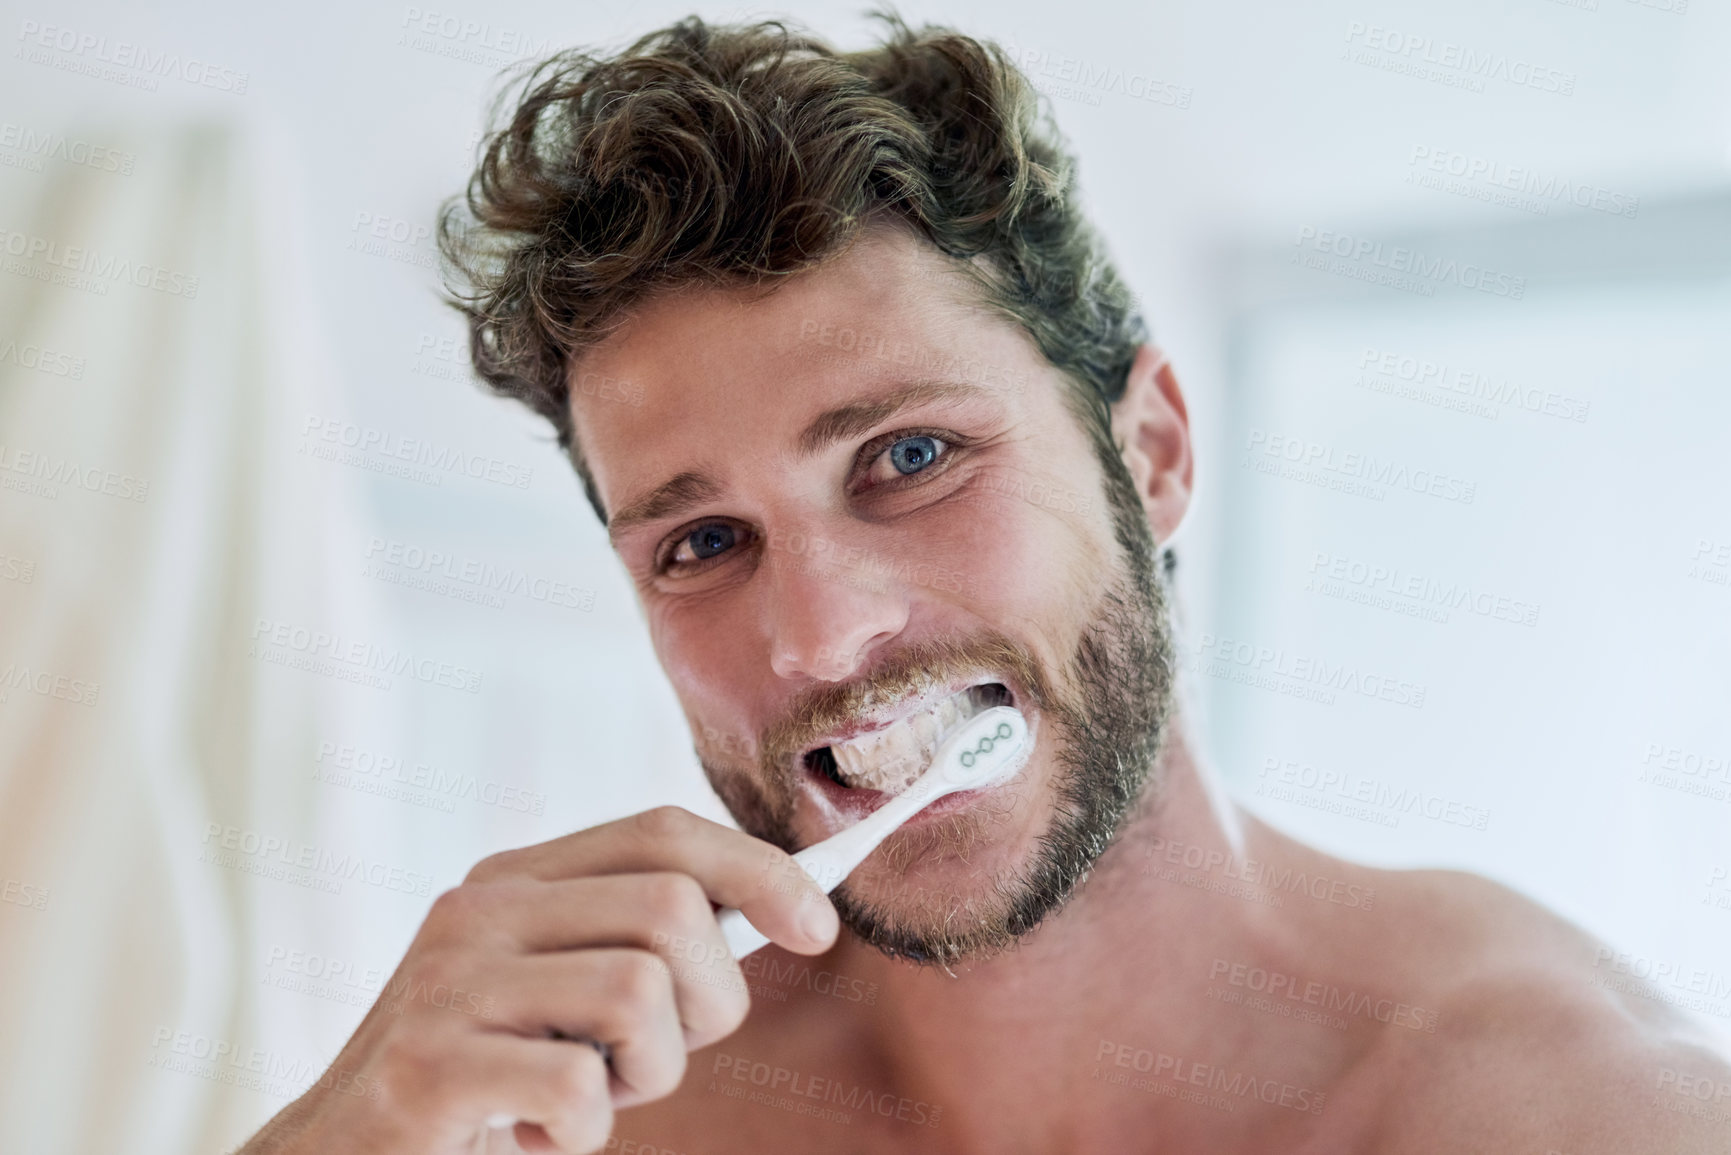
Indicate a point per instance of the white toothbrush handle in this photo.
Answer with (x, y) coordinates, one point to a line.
(742, 938)
(830, 861)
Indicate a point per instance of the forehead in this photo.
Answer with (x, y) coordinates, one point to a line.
(695, 375)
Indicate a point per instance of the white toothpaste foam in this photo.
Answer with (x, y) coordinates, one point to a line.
(892, 758)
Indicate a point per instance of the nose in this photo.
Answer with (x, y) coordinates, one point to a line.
(825, 618)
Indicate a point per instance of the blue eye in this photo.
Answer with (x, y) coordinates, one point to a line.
(710, 540)
(912, 454)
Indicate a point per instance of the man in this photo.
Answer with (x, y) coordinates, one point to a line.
(875, 430)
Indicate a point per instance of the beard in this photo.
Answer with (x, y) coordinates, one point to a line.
(1106, 710)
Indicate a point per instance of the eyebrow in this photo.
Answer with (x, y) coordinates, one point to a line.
(673, 496)
(847, 421)
(691, 488)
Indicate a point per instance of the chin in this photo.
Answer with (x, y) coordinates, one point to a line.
(951, 873)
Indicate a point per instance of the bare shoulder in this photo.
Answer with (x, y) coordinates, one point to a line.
(1543, 1042)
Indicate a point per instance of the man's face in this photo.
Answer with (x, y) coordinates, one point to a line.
(846, 503)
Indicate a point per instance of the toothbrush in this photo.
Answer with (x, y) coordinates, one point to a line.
(982, 751)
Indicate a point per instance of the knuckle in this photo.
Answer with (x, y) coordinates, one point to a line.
(491, 867)
(675, 899)
(458, 906)
(584, 1116)
(732, 1004)
(639, 984)
(587, 1133)
(665, 1077)
(717, 1012)
(588, 1137)
(665, 823)
(580, 1082)
(461, 913)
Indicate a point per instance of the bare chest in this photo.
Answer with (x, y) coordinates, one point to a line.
(733, 1102)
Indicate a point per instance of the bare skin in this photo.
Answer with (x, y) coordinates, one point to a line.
(1212, 986)
(1464, 1018)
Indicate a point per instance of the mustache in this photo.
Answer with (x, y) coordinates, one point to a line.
(911, 669)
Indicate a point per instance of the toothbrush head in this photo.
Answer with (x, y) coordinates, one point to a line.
(987, 749)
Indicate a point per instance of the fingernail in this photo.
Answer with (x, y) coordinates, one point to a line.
(818, 922)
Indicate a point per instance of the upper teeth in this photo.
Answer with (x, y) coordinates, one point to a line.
(890, 759)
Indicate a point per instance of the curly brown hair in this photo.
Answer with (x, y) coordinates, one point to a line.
(739, 154)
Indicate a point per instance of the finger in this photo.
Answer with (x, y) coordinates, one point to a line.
(576, 1111)
(558, 1086)
(734, 869)
(638, 910)
(665, 913)
(622, 998)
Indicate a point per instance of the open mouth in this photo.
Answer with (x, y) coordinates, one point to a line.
(891, 758)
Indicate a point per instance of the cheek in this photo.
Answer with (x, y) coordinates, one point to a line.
(701, 652)
(1030, 550)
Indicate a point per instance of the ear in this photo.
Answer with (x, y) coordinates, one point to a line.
(1151, 428)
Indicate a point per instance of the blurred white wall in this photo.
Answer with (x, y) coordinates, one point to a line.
(1474, 600)
(1214, 138)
